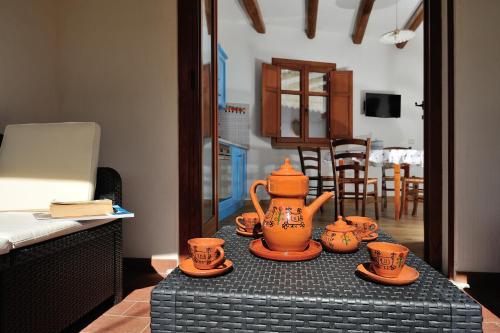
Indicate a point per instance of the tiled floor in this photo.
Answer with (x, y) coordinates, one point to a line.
(129, 316)
(132, 314)
(491, 323)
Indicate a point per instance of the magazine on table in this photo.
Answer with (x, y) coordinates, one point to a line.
(118, 213)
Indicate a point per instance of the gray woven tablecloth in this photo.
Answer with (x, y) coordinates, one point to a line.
(321, 295)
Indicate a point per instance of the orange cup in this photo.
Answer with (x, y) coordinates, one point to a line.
(247, 221)
(207, 253)
(364, 225)
(387, 259)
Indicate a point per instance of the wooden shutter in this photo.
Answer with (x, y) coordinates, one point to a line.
(270, 116)
(340, 104)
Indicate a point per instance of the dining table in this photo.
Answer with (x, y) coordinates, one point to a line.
(395, 157)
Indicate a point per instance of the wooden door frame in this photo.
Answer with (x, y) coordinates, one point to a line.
(433, 130)
(190, 121)
(450, 26)
(190, 127)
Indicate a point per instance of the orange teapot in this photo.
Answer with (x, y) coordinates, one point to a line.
(287, 225)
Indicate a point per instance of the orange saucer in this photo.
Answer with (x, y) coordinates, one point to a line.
(241, 232)
(370, 237)
(187, 267)
(259, 248)
(408, 275)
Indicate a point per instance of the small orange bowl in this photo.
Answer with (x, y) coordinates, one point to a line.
(387, 259)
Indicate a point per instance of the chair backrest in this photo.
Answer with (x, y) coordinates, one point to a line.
(395, 147)
(344, 150)
(310, 160)
(40, 163)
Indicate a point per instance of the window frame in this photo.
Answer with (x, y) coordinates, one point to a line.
(304, 67)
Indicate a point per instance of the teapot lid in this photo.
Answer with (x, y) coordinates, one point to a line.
(286, 169)
(340, 226)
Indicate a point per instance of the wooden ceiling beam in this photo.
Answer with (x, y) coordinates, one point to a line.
(414, 22)
(312, 17)
(253, 11)
(364, 11)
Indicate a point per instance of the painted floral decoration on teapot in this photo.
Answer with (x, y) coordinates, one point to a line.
(284, 217)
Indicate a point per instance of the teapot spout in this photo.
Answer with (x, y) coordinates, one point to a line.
(316, 204)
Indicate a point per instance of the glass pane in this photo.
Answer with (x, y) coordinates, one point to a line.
(290, 116)
(317, 82)
(207, 116)
(318, 117)
(225, 173)
(290, 79)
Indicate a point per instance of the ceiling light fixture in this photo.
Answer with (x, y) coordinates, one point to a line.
(397, 35)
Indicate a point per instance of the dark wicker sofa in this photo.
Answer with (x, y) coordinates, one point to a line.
(48, 286)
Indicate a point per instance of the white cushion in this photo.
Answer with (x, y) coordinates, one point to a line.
(40, 163)
(4, 246)
(22, 228)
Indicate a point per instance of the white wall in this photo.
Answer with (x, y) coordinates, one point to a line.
(28, 90)
(119, 68)
(477, 151)
(113, 62)
(376, 67)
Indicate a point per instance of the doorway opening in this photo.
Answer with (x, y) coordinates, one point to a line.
(240, 45)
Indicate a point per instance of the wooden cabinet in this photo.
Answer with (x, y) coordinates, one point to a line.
(221, 77)
(305, 103)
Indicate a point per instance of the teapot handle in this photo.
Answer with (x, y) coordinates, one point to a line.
(255, 200)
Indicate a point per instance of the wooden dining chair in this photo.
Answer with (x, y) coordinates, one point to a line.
(310, 163)
(354, 159)
(388, 176)
(412, 191)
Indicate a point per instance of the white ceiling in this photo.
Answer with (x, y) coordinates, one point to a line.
(336, 16)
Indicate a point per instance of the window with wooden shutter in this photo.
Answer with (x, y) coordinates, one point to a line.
(340, 104)
(298, 103)
(270, 101)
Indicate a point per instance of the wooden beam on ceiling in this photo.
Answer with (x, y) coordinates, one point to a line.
(312, 17)
(414, 22)
(364, 11)
(253, 11)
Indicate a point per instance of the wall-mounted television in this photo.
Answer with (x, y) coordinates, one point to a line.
(383, 105)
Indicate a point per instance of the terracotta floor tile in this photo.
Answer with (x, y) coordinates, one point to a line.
(491, 328)
(139, 309)
(120, 308)
(147, 330)
(117, 324)
(143, 294)
(489, 316)
(163, 267)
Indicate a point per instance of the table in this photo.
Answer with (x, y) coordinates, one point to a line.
(321, 295)
(396, 157)
(379, 157)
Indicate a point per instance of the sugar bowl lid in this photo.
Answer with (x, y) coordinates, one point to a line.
(340, 226)
(287, 169)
